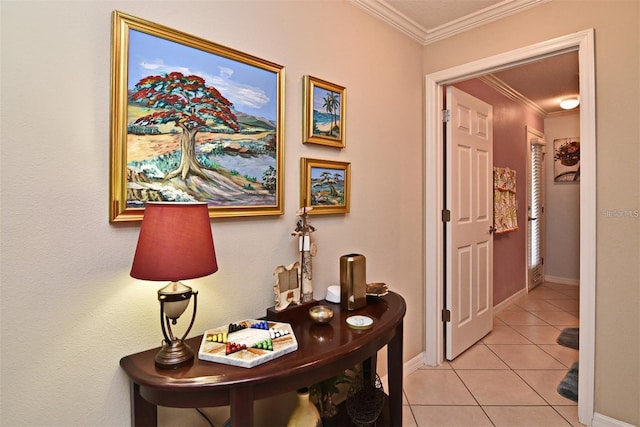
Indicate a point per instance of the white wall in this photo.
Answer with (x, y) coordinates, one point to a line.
(69, 309)
(562, 207)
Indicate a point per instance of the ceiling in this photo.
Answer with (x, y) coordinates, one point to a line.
(544, 83)
(540, 84)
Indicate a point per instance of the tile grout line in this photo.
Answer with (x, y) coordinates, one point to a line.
(509, 368)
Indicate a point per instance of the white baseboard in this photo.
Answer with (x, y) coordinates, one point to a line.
(414, 364)
(562, 280)
(499, 307)
(408, 367)
(600, 420)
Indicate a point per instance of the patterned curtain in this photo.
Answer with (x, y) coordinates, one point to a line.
(504, 199)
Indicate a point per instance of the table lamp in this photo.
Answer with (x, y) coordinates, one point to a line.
(175, 243)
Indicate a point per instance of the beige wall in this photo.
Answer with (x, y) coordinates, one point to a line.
(73, 311)
(617, 44)
(69, 309)
(562, 207)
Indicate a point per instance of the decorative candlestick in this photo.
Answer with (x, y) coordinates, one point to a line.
(307, 250)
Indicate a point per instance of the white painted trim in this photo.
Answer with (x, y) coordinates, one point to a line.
(562, 280)
(507, 302)
(434, 273)
(408, 368)
(513, 94)
(583, 42)
(412, 365)
(387, 13)
(485, 16)
(588, 212)
(600, 420)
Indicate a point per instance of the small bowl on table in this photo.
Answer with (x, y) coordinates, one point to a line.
(321, 314)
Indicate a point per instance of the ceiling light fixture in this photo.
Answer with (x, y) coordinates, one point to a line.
(569, 103)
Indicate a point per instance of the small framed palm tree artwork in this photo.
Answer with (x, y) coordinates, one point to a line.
(325, 186)
(192, 121)
(324, 118)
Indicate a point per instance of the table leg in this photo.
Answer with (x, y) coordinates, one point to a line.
(394, 366)
(242, 406)
(369, 369)
(143, 413)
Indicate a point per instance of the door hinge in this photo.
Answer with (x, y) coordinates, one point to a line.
(446, 315)
(542, 261)
(446, 215)
(446, 116)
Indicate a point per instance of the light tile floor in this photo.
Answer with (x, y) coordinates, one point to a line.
(509, 378)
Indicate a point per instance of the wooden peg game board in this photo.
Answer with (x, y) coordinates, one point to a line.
(247, 343)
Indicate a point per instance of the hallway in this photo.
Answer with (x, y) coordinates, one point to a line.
(509, 378)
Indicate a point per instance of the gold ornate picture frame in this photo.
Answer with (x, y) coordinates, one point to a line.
(324, 117)
(325, 186)
(192, 120)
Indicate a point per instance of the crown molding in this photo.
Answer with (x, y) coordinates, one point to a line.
(511, 93)
(482, 17)
(502, 87)
(384, 11)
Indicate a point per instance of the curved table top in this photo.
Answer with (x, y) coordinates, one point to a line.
(322, 351)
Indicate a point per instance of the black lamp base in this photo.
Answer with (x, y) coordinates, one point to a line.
(174, 355)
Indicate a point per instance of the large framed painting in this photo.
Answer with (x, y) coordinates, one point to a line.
(192, 120)
(566, 159)
(324, 116)
(325, 186)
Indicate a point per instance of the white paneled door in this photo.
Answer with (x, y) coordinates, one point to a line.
(469, 229)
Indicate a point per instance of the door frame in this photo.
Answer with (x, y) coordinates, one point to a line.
(583, 43)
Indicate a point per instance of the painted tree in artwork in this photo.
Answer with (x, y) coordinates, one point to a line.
(326, 178)
(188, 103)
(331, 105)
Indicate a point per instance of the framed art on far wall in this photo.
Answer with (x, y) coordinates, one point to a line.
(325, 186)
(566, 160)
(192, 120)
(324, 116)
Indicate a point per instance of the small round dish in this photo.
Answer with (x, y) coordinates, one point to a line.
(359, 322)
(321, 313)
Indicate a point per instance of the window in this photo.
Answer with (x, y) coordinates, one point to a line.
(535, 220)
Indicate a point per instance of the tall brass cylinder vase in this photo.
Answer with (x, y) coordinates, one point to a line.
(353, 281)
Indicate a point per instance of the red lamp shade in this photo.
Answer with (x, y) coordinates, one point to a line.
(175, 243)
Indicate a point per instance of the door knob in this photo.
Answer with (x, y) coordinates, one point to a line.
(492, 229)
(531, 219)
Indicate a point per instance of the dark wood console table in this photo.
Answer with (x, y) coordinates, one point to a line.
(323, 351)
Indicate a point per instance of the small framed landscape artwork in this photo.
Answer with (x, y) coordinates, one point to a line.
(325, 186)
(566, 160)
(324, 118)
(192, 121)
